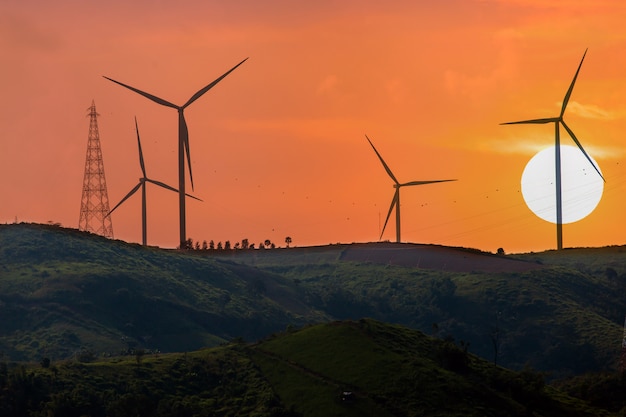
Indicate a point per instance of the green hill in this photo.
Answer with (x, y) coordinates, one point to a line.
(65, 293)
(352, 368)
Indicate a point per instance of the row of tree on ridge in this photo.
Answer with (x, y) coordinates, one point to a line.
(243, 245)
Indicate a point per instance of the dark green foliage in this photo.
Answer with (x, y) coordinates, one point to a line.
(74, 295)
(390, 370)
(452, 357)
(222, 382)
(604, 390)
(101, 297)
(45, 362)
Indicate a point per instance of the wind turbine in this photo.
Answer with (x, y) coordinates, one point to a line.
(395, 202)
(558, 120)
(183, 142)
(142, 185)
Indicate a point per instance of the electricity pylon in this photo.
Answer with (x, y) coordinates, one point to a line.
(94, 205)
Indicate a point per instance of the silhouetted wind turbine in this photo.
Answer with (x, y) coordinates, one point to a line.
(557, 152)
(142, 185)
(395, 202)
(183, 142)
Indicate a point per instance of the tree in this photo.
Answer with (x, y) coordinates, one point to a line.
(267, 243)
(288, 241)
(500, 251)
(611, 274)
(227, 245)
(205, 246)
(139, 354)
(219, 245)
(211, 245)
(495, 339)
(245, 243)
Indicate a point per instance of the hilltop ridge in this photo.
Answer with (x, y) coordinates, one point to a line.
(70, 293)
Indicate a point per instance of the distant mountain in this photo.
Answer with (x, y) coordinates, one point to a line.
(351, 368)
(67, 294)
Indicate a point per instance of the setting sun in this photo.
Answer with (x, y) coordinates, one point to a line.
(277, 148)
(582, 186)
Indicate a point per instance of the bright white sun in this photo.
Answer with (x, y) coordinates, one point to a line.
(580, 184)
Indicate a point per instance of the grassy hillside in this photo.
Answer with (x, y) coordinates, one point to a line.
(556, 319)
(68, 294)
(355, 368)
(64, 293)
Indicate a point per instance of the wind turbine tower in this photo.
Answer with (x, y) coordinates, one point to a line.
(142, 184)
(558, 121)
(94, 205)
(395, 202)
(183, 142)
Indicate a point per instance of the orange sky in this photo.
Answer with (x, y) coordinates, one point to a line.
(278, 147)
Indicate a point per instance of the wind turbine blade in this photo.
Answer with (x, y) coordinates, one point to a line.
(208, 87)
(534, 121)
(571, 133)
(194, 197)
(141, 162)
(169, 187)
(393, 204)
(130, 193)
(147, 95)
(383, 161)
(423, 182)
(184, 136)
(571, 86)
(162, 184)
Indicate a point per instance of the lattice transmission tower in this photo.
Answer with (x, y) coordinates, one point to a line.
(94, 205)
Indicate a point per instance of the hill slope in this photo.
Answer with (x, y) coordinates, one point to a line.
(363, 368)
(67, 293)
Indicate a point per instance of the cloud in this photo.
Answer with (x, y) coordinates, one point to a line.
(605, 152)
(516, 145)
(589, 111)
(396, 90)
(298, 127)
(491, 72)
(327, 85)
(23, 35)
(530, 146)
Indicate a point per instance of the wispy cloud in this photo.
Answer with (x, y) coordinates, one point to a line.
(327, 85)
(297, 127)
(531, 145)
(517, 145)
(589, 111)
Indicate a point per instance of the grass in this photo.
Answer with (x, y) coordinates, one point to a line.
(391, 371)
(67, 291)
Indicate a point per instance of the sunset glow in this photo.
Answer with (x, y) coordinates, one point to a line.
(278, 147)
